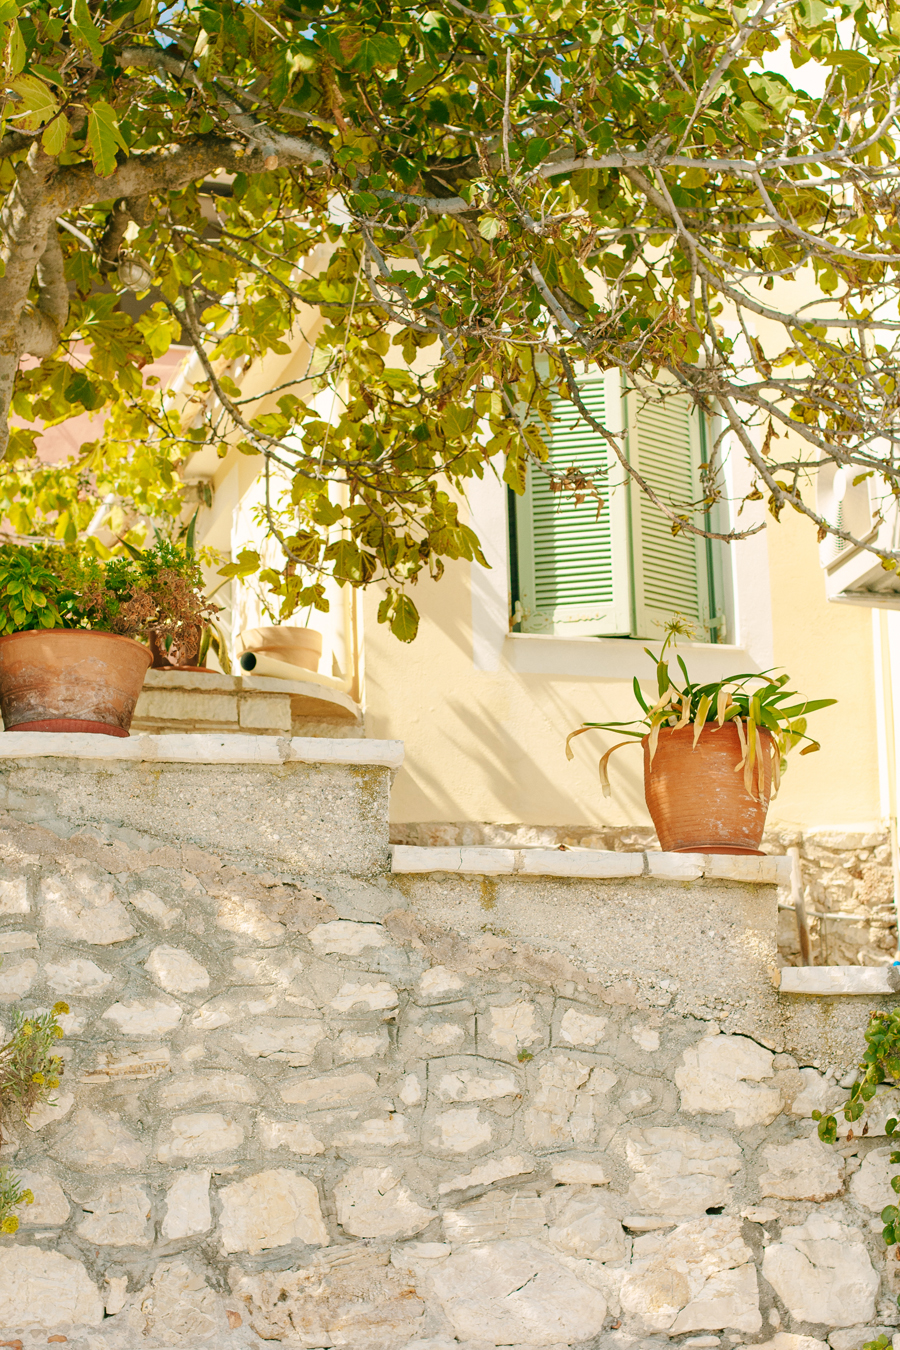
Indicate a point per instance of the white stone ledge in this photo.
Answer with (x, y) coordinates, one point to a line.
(588, 862)
(201, 749)
(840, 980)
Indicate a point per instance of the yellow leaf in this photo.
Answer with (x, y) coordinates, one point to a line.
(55, 135)
(570, 753)
(36, 103)
(603, 766)
(750, 761)
(700, 719)
(740, 732)
(722, 703)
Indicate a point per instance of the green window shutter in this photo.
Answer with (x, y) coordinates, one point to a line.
(573, 570)
(671, 573)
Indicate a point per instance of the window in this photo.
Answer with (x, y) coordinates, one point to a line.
(621, 573)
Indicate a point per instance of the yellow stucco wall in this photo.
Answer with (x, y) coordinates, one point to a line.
(489, 746)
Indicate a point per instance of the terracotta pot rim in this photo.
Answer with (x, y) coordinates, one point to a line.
(79, 633)
(708, 727)
(202, 670)
(68, 725)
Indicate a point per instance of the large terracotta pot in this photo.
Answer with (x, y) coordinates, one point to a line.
(70, 679)
(295, 646)
(697, 802)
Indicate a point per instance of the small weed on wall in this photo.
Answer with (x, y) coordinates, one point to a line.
(29, 1074)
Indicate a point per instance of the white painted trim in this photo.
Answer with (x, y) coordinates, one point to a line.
(201, 749)
(589, 862)
(486, 499)
(615, 658)
(751, 588)
(840, 980)
(353, 750)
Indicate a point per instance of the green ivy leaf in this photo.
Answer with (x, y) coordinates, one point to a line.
(36, 103)
(56, 135)
(377, 50)
(82, 26)
(405, 619)
(104, 137)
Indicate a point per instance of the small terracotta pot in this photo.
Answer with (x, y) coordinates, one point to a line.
(70, 679)
(295, 646)
(696, 799)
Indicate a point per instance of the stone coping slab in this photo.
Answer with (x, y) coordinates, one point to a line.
(589, 862)
(201, 749)
(840, 980)
(316, 696)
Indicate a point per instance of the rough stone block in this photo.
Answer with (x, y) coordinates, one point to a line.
(185, 705)
(44, 1289)
(16, 980)
(725, 1073)
(50, 1207)
(176, 970)
(266, 712)
(804, 1169)
(271, 1209)
(350, 1295)
(145, 1016)
(199, 1134)
(822, 1272)
(17, 942)
(498, 1214)
(14, 895)
(373, 1202)
(696, 1277)
(85, 909)
(187, 1206)
(498, 1169)
(679, 1173)
(294, 1135)
(343, 937)
(117, 1216)
(516, 1292)
(96, 1140)
(79, 977)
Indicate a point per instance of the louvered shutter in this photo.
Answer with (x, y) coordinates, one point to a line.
(670, 572)
(572, 564)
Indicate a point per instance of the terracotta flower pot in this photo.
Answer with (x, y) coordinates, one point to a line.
(697, 801)
(70, 679)
(295, 646)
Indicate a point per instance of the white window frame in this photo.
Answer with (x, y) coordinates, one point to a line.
(747, 600)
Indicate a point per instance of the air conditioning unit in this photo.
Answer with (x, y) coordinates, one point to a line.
(853, 574)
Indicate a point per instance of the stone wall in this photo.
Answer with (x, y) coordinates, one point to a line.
(310, 1103)
(846, 872)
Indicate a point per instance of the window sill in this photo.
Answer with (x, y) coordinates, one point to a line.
(617, 658)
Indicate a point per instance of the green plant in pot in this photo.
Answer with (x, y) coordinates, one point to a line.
(713, 753)
(70, 659)
(185, 647)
